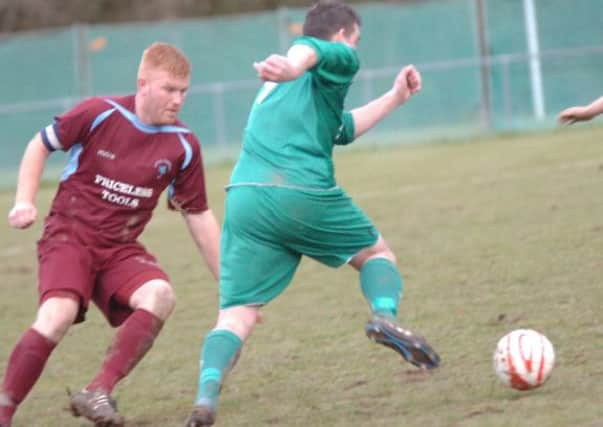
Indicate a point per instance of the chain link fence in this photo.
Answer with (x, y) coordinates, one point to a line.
(477, 57)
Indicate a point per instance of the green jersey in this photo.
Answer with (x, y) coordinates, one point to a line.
(293, 126)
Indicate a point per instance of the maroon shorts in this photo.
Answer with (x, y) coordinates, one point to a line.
(107, 275)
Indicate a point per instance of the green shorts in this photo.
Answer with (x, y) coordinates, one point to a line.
(267, 229)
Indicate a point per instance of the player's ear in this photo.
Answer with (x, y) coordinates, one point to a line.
(339, 35)
(141, 84)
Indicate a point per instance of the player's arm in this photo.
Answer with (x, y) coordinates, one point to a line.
(581, 113)
(24, 212)
(205, 231)
(406, 84)
(279, 68)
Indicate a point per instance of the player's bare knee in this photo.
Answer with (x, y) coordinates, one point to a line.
(55, 316)
(239, 320)
(157, 297)
(165, 297)
(382, 250)
(379, 250)
(162, 301)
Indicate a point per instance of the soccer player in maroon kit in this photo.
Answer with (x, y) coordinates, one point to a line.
(124, 151)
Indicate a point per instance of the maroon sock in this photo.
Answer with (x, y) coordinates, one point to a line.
(25, 365)
(7, 409)
(6, 414)
(131, 342)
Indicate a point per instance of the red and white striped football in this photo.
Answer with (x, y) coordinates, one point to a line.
(524, 359)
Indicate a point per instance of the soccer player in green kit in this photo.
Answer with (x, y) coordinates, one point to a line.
(283, 201)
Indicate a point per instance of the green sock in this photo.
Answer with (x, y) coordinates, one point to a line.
(381, 285)
(219, 350)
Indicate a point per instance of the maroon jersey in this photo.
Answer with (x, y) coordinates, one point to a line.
(119, 167)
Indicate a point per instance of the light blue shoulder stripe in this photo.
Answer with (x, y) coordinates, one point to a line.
(131, 117)
(188, 152)
(101, 118)
(74, 160)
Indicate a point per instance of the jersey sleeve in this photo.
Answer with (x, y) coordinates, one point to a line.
(345, 134)
(337, 63)
(74, 126)
(187, 192)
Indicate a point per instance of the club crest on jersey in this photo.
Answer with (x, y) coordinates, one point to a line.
(163, 167)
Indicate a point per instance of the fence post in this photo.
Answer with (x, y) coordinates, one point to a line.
(534, 57)
(485, 69)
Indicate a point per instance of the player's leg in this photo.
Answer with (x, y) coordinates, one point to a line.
(151, 302)
(65, 277)
(381, 285)
(332, 229)
(139, 305)
(28, 358)
(380, 280)
(219, 354)
(254, 269)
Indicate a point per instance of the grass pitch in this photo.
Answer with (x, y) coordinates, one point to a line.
(491, 236)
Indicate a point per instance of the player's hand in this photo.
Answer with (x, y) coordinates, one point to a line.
(572, 115)
(275, 68)
(22, 215)
(407, 83)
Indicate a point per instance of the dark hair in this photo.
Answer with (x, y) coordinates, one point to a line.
(326, 17)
